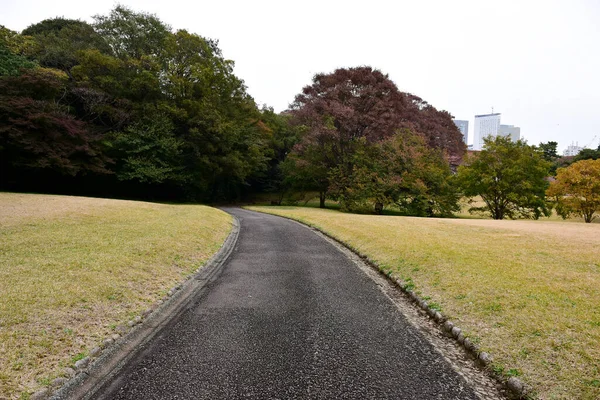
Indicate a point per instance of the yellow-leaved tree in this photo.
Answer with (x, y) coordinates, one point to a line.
(577, 190)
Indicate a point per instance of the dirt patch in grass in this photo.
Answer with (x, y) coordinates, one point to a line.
(525, 291)
(73, 268)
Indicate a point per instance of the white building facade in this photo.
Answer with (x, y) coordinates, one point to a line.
(572, 150)
(485, 125)
(514, 132)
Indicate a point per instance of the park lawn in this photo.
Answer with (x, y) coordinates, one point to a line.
(528, 292)
(73, 268)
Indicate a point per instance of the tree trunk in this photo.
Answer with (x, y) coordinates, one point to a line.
(498, 212)
(321, 199)
(378, 208)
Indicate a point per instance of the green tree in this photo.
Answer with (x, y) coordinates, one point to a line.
(550, 153)
(400, 170)
(12, 53)
(148, 152)
(509, 176)
(428, 187)
(226, 143)
(549, 150)
(282, 136)
(221, 141)
(576, 190)
(132, 34)
(587, 154)
(308, 166)
(58, 42)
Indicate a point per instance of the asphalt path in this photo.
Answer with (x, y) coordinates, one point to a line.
(289, 317)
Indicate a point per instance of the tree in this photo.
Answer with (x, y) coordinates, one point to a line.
(38, 134)
(281, 139)
(576, 190)
(352, 106)
(51, 25)
(549, 151)
(587, 154)
(427, 188)
(148, 152)
(436, 126)
(226, 142)
(401, 170)
(509, 176)
(58, 42)
(132, 34)
(12, 48)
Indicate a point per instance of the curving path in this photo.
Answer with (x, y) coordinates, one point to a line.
(290, 317)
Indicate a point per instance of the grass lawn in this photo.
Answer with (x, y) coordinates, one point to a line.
(73, 268)
(528, 292)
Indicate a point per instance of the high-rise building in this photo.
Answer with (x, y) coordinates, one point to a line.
(485, 125)
(514, 132)
(463, 127)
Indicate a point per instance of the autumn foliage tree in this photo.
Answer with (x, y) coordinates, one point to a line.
(37, 135)
(345, 116)
(576, 190)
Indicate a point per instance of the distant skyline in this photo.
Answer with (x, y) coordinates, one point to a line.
(535, 62)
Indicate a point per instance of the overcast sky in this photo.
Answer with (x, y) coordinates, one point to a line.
(535, 62)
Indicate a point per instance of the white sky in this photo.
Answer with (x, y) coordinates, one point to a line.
(536, 62)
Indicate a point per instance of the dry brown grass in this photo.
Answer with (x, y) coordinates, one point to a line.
(73, 268)
(525, 291)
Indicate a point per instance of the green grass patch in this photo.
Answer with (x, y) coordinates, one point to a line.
(526, 291)
(73, 268)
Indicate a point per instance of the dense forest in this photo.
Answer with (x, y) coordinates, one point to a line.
(128, 107)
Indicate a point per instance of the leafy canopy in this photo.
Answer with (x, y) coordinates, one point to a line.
(349, 123)
(549, 150)
(510, 177)
(38, 134)
(132, 34)
(12, 53)
(159, 111)
(58, 41)
(401, 170)
(588, 154)
(576, 190)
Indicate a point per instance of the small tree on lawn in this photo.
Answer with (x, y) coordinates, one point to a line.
(509, 176)
(576, 190)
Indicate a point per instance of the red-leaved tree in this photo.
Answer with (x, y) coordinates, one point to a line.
(38, 135)
(353, 105)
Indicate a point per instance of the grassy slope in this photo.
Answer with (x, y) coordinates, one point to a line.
(526, 291)
(72, 268)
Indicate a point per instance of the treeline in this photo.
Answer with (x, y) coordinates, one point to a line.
(550, 153)
(128, 107)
